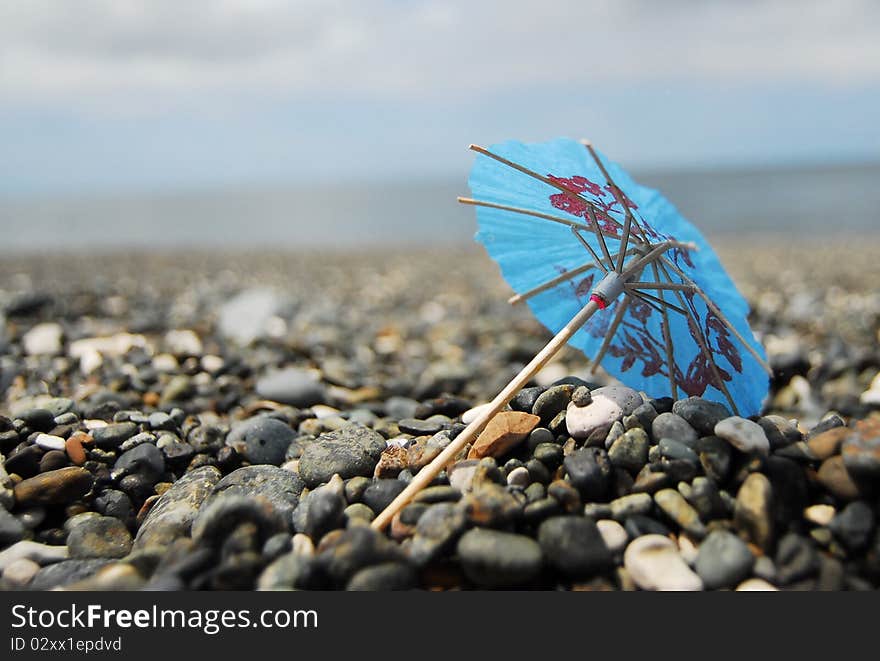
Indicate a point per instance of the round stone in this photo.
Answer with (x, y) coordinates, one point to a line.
(670, 425)
(723, 560)
(261, 440)
(573, 545)
(491, 558)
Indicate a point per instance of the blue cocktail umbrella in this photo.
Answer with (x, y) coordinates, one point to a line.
(614, 269)
(538, 209)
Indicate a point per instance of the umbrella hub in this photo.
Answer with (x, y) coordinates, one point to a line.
(609, 288)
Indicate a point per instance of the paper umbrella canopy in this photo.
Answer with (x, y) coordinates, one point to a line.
(567, 227)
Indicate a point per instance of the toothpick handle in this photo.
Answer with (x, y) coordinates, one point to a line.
(423, 477)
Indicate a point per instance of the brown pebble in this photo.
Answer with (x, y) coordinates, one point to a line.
(145, 508)
(151, 398)
(835, 478)
(74, 448)
(827, 444)
(505, 431)
(54, 487)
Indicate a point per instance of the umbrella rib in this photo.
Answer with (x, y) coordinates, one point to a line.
(595, 256)
(667, 337)
(599, 232)
(516, 166)
(606, 341)
(665, 286)
(704, 346)
(518, 298)
(527, 212)
(657, 250)
(665, 304)
(720, 315)
(568, 275)
(629, 220)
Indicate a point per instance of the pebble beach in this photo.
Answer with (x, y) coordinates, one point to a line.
(233, 421)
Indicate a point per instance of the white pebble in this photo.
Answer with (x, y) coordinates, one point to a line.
(820, 514)
(755, 585)
(19, 573)
(49, 442)
(581, 421)
(654, 563)
(745, 435)
(519, 476)
(43, 339)
(165, 362)
(613, 534)
(212, 363)
(183, 342)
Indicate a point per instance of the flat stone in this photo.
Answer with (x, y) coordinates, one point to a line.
(55, 487)
(491, 558)
(654, 563)
(701, 414)
(745, 435)
(752, 512)
(49, 442)
(172, 515)
(350, 451)
(504, 432)
(723, 560)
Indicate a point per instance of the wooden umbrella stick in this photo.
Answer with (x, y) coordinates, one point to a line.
(424, 477)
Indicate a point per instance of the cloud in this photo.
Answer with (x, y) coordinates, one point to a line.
(124, 55)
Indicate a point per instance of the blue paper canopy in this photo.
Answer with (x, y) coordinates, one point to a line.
(683, 331)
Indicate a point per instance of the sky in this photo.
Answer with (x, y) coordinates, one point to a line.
(104, 96)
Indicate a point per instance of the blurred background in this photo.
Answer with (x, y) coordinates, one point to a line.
(337, 124)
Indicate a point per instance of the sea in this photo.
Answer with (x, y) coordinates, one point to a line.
(789, 202)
